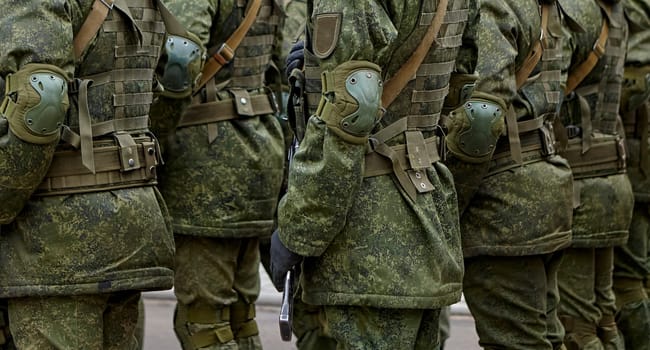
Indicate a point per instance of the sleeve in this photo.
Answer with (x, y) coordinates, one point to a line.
(33, 33)
(327, 171)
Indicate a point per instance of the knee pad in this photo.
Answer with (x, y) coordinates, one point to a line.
(475, 127)
(35, 102)
(242, 320)
(199, 325)
(351, 100)
(185, 58)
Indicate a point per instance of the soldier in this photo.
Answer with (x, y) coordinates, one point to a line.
(223, 172)
(94, 232)
(631, 262)
(593, 144)
(515, 192)
(380, 282)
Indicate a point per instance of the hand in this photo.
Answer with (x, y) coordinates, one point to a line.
(296, 58)
(282, 260)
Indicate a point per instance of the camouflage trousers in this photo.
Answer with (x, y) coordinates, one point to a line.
(444, 325)
(308, 322)
(587, 304)
(102, 321)
(362, 328)
(216, 284)
(631, 271)
(514, 301)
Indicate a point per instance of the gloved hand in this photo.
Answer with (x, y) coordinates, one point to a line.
(296, 57)
(282, 260)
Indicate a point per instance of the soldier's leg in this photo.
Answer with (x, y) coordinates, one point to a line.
(361, 328)
(121, 319)
(6, 341)
(605, 300)
(508, 298)
(68, 322)
(444, 326)
(204, 284)
(630, 270)
(139, 330)
(247, 286)
(554, 326)
(577, 309)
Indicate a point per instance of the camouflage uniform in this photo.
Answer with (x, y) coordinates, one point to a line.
(343, 198)
(515, 201)
(603, 194)
(95, 233)
(632, 261)
(222, 177)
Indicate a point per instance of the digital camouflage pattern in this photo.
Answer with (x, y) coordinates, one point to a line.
(603, 211)
(24, 164)
(632, 261)
(519, 216)
(408, 329)
(525, 210)
(357, 253)
(96, 242)
(228, 187)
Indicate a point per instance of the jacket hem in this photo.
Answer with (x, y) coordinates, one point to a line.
(247, 230)
(517, 249)
(386, 301)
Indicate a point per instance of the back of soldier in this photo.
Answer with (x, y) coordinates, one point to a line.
(94, 232)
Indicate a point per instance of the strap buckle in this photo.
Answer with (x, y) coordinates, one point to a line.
(224, 54)
(573, 131)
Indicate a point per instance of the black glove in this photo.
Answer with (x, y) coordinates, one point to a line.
(296, 58)
(282, 260)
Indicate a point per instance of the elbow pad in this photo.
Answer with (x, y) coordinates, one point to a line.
(351, 100)
(185, 58)
(36, 102)
(475, 127)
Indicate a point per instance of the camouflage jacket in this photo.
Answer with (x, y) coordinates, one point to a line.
(223, 178)
(100, 240)
(603, 209)
(366, 240)
(520, 210)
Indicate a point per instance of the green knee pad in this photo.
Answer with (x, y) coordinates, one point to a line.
(242, 320)
(198, 325)
(580, 335)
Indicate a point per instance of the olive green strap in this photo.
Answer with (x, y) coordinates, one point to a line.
(85, 128)
(642, 115)
(395, 85)
(91, 25)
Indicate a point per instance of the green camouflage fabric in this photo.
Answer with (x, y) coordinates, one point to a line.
(525, 210)
(24, 164)
(103, 321)
(394, 329)
(632, 260)
(96, 242)
(358, 252)
(444, 325)
(514, 301)
(228, 187)
(604, 210)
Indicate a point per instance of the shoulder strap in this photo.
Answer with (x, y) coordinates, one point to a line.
(91, 25)
(535, 54)
(580, 73)
(398, 81)
(227, 50)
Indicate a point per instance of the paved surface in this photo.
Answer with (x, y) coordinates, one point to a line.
(159, 310)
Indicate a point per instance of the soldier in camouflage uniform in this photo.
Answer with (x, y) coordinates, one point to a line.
(631, 261)
(593, 143)
(379, 281)
(222, 177)
(515, 192)
(93, 232)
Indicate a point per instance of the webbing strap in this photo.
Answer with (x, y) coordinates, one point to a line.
(212, 112)
(535, 54)
(513, 135)
(91, 25)
(580, 73)
(398, 81)
(227, 50)
(85, 128)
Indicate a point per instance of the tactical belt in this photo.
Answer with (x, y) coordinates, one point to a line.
(122, 162)
(376, 164)
(606, 156)
(231, 108)
(535, 147)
